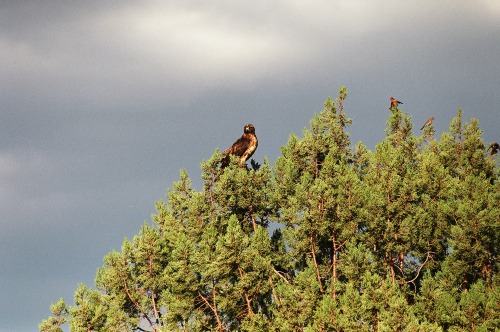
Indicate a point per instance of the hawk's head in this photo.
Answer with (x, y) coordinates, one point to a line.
(249, 129)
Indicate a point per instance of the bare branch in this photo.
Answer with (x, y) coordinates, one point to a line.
(428, 256)
(281, 276)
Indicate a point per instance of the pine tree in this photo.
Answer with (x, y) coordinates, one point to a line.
(404, 238)
(89, 312)
(54, 323)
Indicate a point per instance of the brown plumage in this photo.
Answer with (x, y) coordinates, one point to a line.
(428, 122)
(244, 147)
(493, 148)
(394, 102)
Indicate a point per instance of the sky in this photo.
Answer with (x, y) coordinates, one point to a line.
(102, 103)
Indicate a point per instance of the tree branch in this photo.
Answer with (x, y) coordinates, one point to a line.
(213, 308)
(245, 293)
(313, 252)
(428, 256)
(135, 303)
(281, 276)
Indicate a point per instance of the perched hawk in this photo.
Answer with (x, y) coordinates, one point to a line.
(244, 147)
(428, 122)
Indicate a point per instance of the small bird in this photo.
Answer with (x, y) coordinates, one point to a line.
(428, 122)
(244, 147)
(394, 102)
(494, 147)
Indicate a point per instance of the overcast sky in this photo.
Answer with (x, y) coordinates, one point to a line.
(103, 102)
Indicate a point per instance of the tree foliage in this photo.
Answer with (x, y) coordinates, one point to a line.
(404, 238)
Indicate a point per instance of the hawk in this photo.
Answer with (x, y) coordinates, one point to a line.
(244, 147)
(428, 122)
(394, 102)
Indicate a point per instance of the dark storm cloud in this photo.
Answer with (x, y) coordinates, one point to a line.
(103, 103)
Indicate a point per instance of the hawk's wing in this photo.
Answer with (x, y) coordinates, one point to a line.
(238, 148)
(243, 148)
